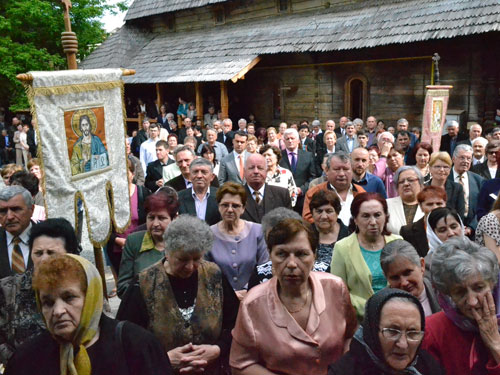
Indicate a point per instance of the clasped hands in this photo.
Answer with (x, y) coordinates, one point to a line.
(193, 359)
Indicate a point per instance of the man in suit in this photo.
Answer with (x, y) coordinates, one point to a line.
(139, 172)
(154, 172)
(200, 199)
(320, 139)
(471, 183)
(16, 209)
(474, 132)
(261, 197)
(307, 144)
(340, 131)
(349, 141)
(183, 155)
(183, 131)
(300, 163)
(371, 130)
(449, 141)
(6, 147)
(141, 137)
(232, 166)
(226, 135)
(479, 150)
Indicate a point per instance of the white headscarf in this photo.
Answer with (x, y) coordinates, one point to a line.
(432, 238)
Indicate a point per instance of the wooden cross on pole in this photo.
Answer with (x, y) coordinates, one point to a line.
(68, 38)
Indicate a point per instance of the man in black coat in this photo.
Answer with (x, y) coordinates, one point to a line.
(226, 135)
(16, 207)
(6, 148)
(449, 141)
(154, 171)
(199, 200)
(261, 197)
(300, 163)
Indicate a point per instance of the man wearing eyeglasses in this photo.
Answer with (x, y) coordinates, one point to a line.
(471, 182)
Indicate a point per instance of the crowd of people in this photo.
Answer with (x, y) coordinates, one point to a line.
(301, 249)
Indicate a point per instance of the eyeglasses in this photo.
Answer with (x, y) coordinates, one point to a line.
(235, 206)
(395, 334)
(409, 180)
(464, 158)
(492, 152)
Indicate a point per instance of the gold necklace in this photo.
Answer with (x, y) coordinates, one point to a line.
(300, 309)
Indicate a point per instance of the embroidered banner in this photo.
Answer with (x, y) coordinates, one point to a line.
(81, 133)
(435, 107)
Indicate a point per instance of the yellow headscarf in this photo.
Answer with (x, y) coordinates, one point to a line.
(89, 323)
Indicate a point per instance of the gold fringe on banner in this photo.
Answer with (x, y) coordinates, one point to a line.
(71, 89)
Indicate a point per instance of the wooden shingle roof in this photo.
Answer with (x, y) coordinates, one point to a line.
(217, 53)
(144, 8)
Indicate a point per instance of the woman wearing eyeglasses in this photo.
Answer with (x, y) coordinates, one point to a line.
(404, 208)
(489, 168)
(440, 165)
(388, 341)
(239, 245)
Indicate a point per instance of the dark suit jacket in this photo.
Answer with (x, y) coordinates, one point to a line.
(466, 142)
(475, 182)
(446, 142)
(5, 269)
(455, 196)
(2, 142)
(311, 144)
(306, 168)
(179, 184)
(274, 196)
(415, 234)
(338, 132)
(187, 206)
(154, 172)
(483, 171)
(486, 197)
(137, 142)
(229, 140)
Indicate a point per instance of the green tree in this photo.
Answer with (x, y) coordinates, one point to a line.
(30, 39)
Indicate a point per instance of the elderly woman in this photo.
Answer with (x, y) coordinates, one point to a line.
(299, 321)
(429, 198)
(239, 245)
(272, 138)
(391, 159)
(404, 209)
(252, 144)
(442, 224)
(356, 258)
(489, 168)
(488, 230)
(440, 166)
(421, 155)
(19, 316)
(373, 157)
(404, 269)
(277, 175)
(185, 301)
(80, 339)
(146, 247)
(465, 336)
(389, 340)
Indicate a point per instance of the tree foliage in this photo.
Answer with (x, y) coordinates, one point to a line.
(30, 39)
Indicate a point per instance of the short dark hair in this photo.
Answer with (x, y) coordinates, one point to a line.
(162, 201)
(356, 206)
(162, 143)
(304, 126)
(322, 197)
(275, 149)
(56, 228)
(286, 230)
(232, 188)
(403, 132)
(440, 213)
(27, 180)
(241, 133)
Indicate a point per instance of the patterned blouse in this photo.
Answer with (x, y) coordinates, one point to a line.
(490, 226)
(282, 177)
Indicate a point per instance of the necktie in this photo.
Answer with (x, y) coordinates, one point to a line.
(17, 257)
(241, 167)
(462, 182)
(294, 162)
(257, 197)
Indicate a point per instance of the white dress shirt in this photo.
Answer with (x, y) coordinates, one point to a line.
(261, 192)
(345, 211)
(147, 153)
(23, 244)
(201, 205)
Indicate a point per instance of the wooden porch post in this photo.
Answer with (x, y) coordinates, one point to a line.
(224, 101)
(199, 102)
(159, 97)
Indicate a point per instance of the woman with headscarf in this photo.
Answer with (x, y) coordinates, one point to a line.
(388, 342)
(465, 336)
(443, 223)
(80, 340)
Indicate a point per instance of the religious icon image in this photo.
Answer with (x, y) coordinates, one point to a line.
(437, 111)
(85, 135)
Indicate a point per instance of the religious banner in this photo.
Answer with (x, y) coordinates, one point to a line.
(81, 143)
(435, 107)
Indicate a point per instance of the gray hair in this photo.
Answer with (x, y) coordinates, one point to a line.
(227, 121)
(181, 149)
(170, 116)
(357, 121)
(395, 249)
(188, 234)
(452, 123)
(483, 140)
(349, 123)
(402, 121)
(405, 168)
(459, 259)
(291, 131)
(276, 216)
(242, 121)
(386, 133)
(9, 192)
(316, 123)
(462, 147)
(216, 122)
(201, 162)
(343, 156)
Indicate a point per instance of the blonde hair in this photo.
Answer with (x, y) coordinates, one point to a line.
(442, 156)
(10, 169)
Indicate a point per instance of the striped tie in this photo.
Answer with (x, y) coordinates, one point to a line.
(17, 257)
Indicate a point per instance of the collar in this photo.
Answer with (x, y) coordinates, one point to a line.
(24, 236)
(364, 179)
(296, 151)
(147, 243)
(455, 175)
(350, 191)
(261, 191)
(193, 193)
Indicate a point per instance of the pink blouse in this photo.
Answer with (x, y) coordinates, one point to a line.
(266, 333)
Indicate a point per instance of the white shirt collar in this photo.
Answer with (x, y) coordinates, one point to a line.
(24, 235)
(261, 191)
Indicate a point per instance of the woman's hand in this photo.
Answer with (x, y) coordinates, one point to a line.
(199, 358)
(120, 241)
(488, 326)
(177, 355)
